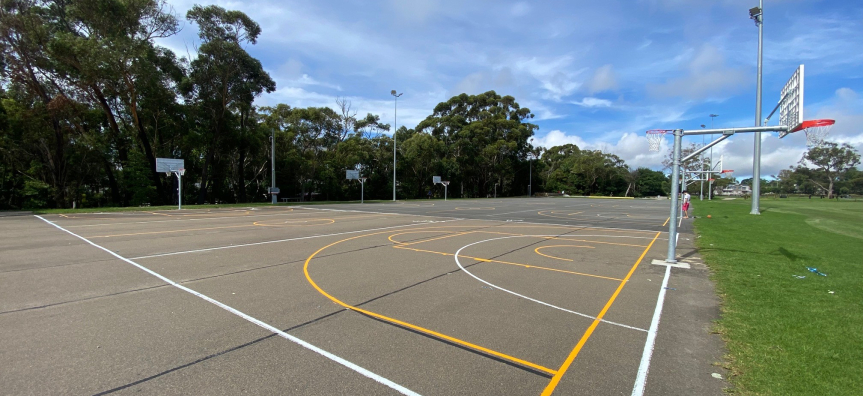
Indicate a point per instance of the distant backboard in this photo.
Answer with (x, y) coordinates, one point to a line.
(352, 174)
(791, 107)
(169, 164)
(435, 179)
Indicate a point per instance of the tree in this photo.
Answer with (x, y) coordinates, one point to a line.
(485, 135)
(649, 182)
(223, 79)
(830, 161)
(689, 168)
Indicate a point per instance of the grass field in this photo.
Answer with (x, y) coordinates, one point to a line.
(786, 335)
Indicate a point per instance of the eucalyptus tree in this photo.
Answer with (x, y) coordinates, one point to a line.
(105, 49)
(830, 160)
(223, 81)
(484, 135)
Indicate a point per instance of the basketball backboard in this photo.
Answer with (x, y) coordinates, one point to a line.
(435, 179)
(352, 174)
(169, 164)
(791, 97)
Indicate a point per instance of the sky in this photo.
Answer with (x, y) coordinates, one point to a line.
(594, 73)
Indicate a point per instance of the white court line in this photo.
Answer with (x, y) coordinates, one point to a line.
(328, 355)
(526, 297)
(498, 221)
(641, 379)
(276, 241)
(387, 213)
(520, 211)
(190, 219)
(577, 226)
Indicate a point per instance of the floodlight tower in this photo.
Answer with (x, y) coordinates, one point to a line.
(530, 171)
(273, 165)
(395, 129)
(757, 14)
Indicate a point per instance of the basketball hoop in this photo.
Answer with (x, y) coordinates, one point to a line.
(816, 130)
(729, 173)
(182, 171)
(654, 138)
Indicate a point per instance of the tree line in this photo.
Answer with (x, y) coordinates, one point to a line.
(88, 101)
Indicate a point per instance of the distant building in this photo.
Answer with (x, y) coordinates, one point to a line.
(737, 189)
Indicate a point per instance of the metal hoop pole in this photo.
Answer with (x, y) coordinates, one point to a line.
(179, 191)
(675, 189)
(756, 167)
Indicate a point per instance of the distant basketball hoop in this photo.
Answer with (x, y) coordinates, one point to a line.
(654, 138)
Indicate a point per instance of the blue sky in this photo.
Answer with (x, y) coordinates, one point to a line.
(595, 73)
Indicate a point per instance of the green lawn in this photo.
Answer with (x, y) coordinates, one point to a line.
(788, 336)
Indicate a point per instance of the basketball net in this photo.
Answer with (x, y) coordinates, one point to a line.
(654, 138)
(816, 131)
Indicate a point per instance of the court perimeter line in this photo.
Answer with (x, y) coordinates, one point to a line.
(279, 240)
(409, 325)
(565, 366)
(510, 263)
(328, 355)
(185, 219)
(596, 319)
(644, 366)
(470, 218)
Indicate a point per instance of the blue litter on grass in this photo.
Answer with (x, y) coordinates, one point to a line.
(815, 271)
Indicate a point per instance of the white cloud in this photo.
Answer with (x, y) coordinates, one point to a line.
(593, 102)
(555, 75)
(707, 77)
(558, 138)
(603, 79)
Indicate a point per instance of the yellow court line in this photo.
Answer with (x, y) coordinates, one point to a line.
(579, 227)
(569, 359)
(231, 212)
(431, 239)
(171, 231)
(409, 325)
(565, 239)
(558, 258)
(510, 263)
(666, 221)
(390, 238)
(295, 223)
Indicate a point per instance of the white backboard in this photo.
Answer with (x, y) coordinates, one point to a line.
(435, 179)
(351, 174)
(169, 164)
(791, 109)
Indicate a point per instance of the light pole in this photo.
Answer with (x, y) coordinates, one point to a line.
(395, 129)
(530, 171)
(273, 165)
(757, 13)
(710, 183)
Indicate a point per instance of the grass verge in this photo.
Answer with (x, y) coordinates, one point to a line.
(786, 335)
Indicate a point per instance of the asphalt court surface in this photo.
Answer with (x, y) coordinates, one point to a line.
(493, 296)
